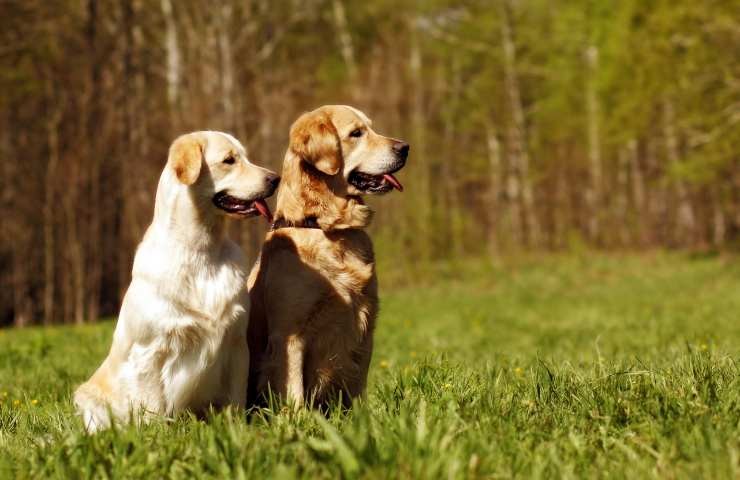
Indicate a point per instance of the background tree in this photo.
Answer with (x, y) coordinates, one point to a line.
(534, 124)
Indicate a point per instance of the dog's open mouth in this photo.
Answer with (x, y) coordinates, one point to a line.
(368, 183)
(241, 207)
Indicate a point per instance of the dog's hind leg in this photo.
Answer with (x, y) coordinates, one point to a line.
(238, 372)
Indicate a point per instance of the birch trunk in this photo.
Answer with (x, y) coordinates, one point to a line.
(622, 202)
(419, 143)
(594, 190)
(211, 71)
(656, 194)
(685, 218)
(172, 48)
(345, 39)
(519, 183)
(563, 209)
(638, 191)
(446, 205)
(226, 11)
(494, 186)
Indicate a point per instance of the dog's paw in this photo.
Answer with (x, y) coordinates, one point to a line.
(94, 412)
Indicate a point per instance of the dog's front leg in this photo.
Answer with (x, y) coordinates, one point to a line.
(283, 370)
(294, 352)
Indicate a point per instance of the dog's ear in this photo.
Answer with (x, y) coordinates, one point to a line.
(314, 139)
(186, 157)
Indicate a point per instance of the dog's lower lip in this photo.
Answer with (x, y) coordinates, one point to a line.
(240, 207)
(371, 183)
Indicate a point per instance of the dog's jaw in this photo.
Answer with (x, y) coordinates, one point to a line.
(240, 208)
(366, 183)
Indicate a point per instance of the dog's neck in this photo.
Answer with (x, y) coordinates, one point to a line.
(307, 195)
(185, 217)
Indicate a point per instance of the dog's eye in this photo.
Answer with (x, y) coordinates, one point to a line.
(357, 132)
(229, 160)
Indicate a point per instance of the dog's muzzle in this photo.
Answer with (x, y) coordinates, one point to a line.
(241, 207)
(384, 182)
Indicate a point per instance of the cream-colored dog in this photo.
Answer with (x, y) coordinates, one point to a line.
(180, 341)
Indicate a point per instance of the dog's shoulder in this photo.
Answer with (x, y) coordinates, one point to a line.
(341, 260)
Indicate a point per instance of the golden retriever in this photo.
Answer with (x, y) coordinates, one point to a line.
(180, 340)
(313, 289)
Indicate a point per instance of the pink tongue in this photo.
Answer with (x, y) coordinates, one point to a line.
(264, 210)
(392, 180)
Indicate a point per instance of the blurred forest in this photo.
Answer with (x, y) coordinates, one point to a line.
(534, 124)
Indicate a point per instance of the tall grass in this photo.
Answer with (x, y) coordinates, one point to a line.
(541, 367)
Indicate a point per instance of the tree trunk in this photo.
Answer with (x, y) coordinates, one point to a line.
(419, 164)
(685, 232)
(638, 191)
(494, 186)
(657, 198)
(226, 11)
(449, 211)
(622, 202)
(75, 253)
(345, 39)
(719, 220)
(22, 309)
(95, 260)
(519, 184)
(49, 209)
(734, 207)
(128, 133)
(563, 210)
(173, 62)
(594, 191)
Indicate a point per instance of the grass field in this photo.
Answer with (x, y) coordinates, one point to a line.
(547, 367)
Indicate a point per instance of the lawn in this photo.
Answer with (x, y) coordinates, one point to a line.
(586, 366)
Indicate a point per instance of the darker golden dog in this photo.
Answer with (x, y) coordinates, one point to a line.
(314, 290)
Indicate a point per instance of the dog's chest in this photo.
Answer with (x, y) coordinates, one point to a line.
(220, 293)
(347, 261)
(211, 286)
(188, 300)
(215, 299)
(199, 339)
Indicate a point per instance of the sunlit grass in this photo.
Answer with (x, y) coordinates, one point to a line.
(542, 367)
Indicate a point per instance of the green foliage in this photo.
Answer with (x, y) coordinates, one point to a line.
(620, 113)
(536, 367)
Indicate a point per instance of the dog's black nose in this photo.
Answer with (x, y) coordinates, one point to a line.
(401, 149)
(273, 181)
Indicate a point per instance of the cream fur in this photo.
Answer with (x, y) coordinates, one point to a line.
(180, 340)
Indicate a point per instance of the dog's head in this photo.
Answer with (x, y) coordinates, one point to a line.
(215, 167)
(337, 139)
(334, 157)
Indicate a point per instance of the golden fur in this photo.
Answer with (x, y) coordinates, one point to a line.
(314, 290)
